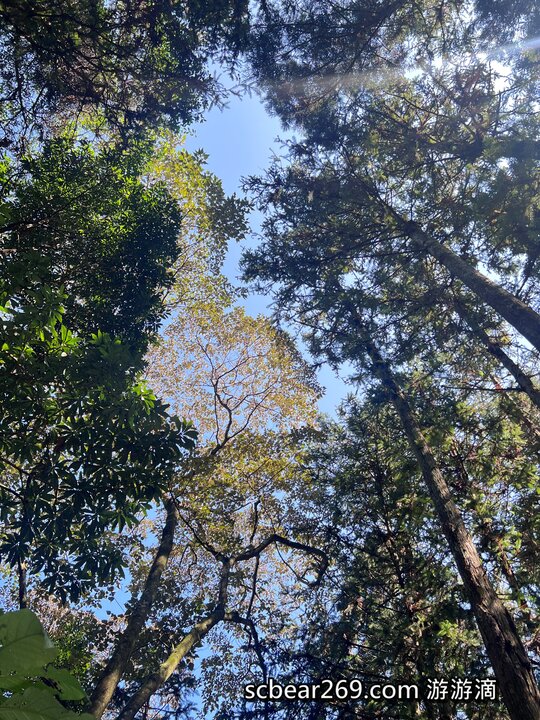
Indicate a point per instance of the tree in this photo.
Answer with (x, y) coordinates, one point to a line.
(450, 123)
(137, 66)
(92, 229)
(240, 378)
(147, 66)
(85, 445)
(302, 53)
(503, 645)
(247, 388)
(384, 176)
(391, 604)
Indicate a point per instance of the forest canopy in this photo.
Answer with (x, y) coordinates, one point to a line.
(178, 520)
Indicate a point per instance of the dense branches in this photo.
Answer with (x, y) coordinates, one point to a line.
(138, 65)
(395, 202)
(400, 236)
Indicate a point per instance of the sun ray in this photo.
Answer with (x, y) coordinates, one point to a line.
(390, 75)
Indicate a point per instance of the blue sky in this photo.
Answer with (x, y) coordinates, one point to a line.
(240, 141)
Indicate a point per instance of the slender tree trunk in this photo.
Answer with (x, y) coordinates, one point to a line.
(116, 666)
(503, 645)
(154, 681)
(523, 380)
(23, 585)
(497, 549)
(491, 542)
(522, 317)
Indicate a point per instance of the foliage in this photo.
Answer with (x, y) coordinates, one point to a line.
(210, 220)
(84, 222)
(138, 65)
(297, 548)
(238, 371)
(304, 53)
(415, 172)
(247, 390)
(391, 607)
(31, 686)
(85, 445)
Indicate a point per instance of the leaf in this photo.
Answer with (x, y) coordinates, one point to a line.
(35, 704)
(14, 682)
(24, 644)
(68, 687)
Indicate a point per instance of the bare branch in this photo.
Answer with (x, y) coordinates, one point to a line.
(276, 539)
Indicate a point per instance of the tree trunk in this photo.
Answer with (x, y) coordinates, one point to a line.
(523, 318)
(523, 380)
(154, 681)
(503, 645)
(116, 666)
(23, 585)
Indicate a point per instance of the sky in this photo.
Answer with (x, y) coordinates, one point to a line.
(240, 141)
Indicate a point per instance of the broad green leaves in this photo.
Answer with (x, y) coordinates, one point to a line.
(33, 686)
(23, 644)
(84, 445)
(36, 704)
(84, 222)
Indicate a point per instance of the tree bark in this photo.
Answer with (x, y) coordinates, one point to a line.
(117, 664)
(23, 585)
(522, 317)
(503, 645)
(523, 380)
(154, 681)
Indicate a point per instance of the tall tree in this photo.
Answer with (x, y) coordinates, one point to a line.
(391, 605)
(246, 387)
(392, 174)
(503, 644)
(84, 444)
(238, 378)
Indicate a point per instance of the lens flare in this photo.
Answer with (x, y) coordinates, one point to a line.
(388, 76)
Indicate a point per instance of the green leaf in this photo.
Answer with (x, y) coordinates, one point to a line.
(35, 704)
(14, 682)
(24, 644)
(68, 687)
